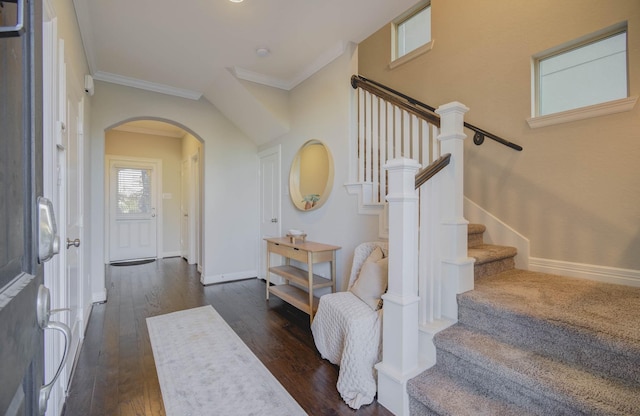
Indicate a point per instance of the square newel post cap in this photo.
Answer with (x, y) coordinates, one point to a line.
(402, 163)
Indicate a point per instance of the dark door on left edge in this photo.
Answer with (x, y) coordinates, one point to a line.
(21, 339)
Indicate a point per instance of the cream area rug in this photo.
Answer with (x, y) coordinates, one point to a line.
(204, 368)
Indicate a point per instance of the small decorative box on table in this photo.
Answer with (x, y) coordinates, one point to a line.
(305, 252)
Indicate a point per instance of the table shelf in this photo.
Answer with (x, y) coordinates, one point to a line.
(300, 284)
(300, 276)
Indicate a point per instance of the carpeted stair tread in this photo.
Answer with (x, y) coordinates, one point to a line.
(542, 385)
(605, 312)
(485, 253)
(538, 343)
(437, 392)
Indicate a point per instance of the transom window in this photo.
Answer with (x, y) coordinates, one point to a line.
(413, 31)
(589, 72)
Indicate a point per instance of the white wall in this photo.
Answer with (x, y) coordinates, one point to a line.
(320, 109)
(230, 215)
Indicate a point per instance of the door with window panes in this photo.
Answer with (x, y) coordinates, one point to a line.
(132, 210)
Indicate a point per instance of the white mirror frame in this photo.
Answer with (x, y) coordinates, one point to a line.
(294, 179)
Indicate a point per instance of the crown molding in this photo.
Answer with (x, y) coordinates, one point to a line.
(323, 60)
(260, 78)
(146, 85)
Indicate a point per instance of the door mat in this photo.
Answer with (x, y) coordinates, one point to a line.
(132, 262)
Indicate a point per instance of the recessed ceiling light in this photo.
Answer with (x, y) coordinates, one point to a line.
(236, 1)
(262, 52)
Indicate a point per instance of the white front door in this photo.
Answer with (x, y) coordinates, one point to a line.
(269, 201)
(133, 213)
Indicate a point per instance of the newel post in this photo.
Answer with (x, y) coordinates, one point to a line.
(457, 267)
(400, 314)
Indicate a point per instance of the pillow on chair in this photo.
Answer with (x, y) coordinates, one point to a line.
(372, 279)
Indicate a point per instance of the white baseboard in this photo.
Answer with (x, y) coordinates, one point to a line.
(604, 274)
(227, 277)
(99, 297)
(171, 254)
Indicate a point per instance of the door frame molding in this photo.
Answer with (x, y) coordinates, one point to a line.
(109, 159)
(274, 150)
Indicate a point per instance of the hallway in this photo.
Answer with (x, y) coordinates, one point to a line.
(116, 374)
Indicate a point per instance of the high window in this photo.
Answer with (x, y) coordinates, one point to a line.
(413, 31)
(587, 72)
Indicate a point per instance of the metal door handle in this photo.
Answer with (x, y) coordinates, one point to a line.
(74, 243)
(18, 29)
(274, 220)
(48, 239)
(43, 312)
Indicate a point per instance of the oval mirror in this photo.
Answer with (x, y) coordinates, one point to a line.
(311, 176)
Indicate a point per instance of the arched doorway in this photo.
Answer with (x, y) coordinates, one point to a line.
(153, 182)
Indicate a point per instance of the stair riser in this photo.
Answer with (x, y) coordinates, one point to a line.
(417, 408)
(507, 389)
(548, 340)
(494, 267)
(475, 240)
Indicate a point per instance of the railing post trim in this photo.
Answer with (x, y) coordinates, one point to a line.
(400, 339)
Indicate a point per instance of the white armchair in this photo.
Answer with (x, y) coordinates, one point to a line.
(347, 328)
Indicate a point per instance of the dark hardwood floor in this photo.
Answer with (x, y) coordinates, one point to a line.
(116, 373)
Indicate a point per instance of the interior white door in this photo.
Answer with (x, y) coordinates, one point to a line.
(184, 210)
(72, 192)
(194, 210)
(132, 210)
(189, 211)
(269, 201)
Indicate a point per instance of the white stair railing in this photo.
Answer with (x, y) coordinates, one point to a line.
(387, 128)
(428, 262)
(385, 132)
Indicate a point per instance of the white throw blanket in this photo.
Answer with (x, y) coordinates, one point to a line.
(354, 344)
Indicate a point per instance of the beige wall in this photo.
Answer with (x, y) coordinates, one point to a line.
(169, 150)
(575, 189)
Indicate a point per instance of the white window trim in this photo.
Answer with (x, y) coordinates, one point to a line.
(411, 55)
(596, 110)
(582, 113)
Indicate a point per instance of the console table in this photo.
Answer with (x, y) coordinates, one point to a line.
(300, 284)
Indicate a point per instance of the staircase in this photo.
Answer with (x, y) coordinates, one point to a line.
(529, 343)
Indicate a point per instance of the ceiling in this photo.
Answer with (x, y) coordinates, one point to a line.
(196, 48)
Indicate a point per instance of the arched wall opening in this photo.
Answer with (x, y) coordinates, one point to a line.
(153, 188)
(229, 214)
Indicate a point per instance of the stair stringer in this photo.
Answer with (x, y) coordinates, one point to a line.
(498, 232)
(364, 191)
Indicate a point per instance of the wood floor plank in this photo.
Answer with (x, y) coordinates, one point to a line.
(116, 375)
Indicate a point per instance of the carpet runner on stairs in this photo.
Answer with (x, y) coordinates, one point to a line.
(530, 343)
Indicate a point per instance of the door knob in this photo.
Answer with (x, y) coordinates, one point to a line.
(74, 243)
(274, 220)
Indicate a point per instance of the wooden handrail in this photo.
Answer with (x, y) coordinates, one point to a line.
(434, 167)
(412, 105)
(396, 98)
